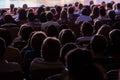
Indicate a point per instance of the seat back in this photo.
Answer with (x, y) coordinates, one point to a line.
(44, 73)
(16, 75)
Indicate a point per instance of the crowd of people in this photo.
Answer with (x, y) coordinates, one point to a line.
(74, 42)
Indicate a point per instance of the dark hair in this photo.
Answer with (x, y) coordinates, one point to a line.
(49, 16)
(98, 44)
(109, 5)
(5, 34)
(22, 14)
(42, 17)
(102, 11)
(115, 36)
(52, 31)
(37, 40)
(80, 6)
(97, 25)
(8, 18)
(65, 49)
(77, 58)
(111, 14)
(118, 5)
(66, 36)
(50, 49)
(71, 10)
(31, 16)
(86, 29)
(85, 12)
(95, 11)
(25, 31)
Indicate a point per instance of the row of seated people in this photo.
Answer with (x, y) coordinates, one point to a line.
(34, 51)
(38, 50)
(61, 15)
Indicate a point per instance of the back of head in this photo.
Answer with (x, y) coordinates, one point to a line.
(49, 16)
(80, 66)
(8, 18)
(31, 16)
(116, 25)
(50, 49)
(104, 30)
(63, 26)
(63, 15)
(111, 14)
(109, 6)
(52, 31)
(2, 48)
(58, 9)
(118, 5)
(25, 31)
(22, 14)
(65, 49)
(76, 4)
(95, 11)
(115, 36)
(80, 6)
(102, 11)
(86, 29)
(5, 34)
(98, 45)
(71, 10)
(85, 11)
(25, 6)
(91, 2)
(97, 25)
(66, 36)
(37, 40)
(77, 58)
(11, 6)
(42, 17)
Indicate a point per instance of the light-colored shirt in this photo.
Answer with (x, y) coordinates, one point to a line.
(82, 18)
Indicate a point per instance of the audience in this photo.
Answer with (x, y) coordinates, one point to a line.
(73, 38)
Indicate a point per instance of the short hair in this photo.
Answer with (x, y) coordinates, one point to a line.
(31, 16)
(65, 49)
(115, 36)
(50, 49)
(98, 44)
(52, 31)
(85, 11)
(71, 10)
(5, 34)
(37, 40)
(66, 36)
(102, 11)
(49, 16)
(104, 30)
(86, 29)
(25, 31)
(77, 58)
(111, 14)
(118, 5)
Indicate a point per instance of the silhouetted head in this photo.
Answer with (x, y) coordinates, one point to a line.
(98, 45)
(52, 31)
(86, 29)
(65, 49)
(66, 36)
(50, 49)
(37, 40)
